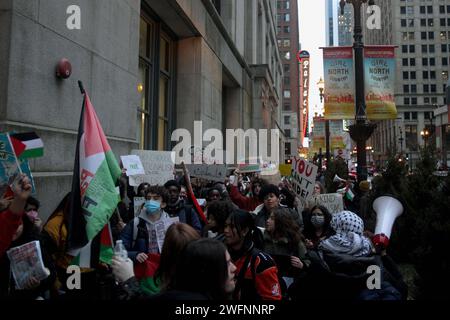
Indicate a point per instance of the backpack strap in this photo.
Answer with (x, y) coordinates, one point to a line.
(137, 222)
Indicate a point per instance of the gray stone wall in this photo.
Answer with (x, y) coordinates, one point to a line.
(103, 55)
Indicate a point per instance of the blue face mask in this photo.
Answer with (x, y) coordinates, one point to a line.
(152, 206)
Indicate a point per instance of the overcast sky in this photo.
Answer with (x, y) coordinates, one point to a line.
(312, 36)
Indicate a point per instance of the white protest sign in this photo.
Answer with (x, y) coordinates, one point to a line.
(303, 177)
(133, 165)
(332, 201)
(138, 202)
(158, 166)
(213, 172)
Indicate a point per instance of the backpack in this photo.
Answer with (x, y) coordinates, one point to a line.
(138, 224)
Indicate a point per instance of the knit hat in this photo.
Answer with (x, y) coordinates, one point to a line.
(364, 186)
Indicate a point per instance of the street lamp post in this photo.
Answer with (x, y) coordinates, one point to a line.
(401, 139)
(321, 86)
(362, 129)
(425, 134)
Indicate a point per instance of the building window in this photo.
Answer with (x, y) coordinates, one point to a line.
(287, 81)
(286, 107)
(287, 148)
(407, 115)
(286, 43)
(426, 88)
(287, 94)
(431, 35)
(287, 55)
(404, 62)
(414, 115)
(426, 100)
(287, 133)
(432, 61)
(432, 74)
(287, 119)
(412, 49)
(410, 10)
(444, 77)
(425, 61)
(425, 75)
(402, 10)
(433, 88)
(443, 35)
(411, 137)
(406, 101)
(413, 88)
(286, 29)
(410, 23)
(430, 22)
(422, 9)
(423, 22)
(405, 75)
(444, 48)
(287, 17)
(156, 112)
(403, 22)
(413, 75)
(441, 9)
(414, 101)
(404, 48)
(429, 9)
(406, 88)
(445, 61)
(434, 100)
(412, 62)
(286, 68)
(442, 22)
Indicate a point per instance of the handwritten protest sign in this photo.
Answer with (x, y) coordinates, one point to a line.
(332, 201)
(214, 172)
(158, 166)
(303, 177)
(133, 165)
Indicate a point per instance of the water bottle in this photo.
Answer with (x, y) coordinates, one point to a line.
(120, 251)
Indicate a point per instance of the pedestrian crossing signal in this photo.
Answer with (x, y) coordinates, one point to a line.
(288, 161)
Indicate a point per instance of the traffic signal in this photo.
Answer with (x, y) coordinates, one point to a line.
(288, 161)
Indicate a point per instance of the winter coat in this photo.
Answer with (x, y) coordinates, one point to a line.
(243, 202)
(186, 214)
(9, 222)
(262, 214)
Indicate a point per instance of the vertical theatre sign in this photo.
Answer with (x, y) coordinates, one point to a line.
(379, 82)
(339, 83)
(303, 59)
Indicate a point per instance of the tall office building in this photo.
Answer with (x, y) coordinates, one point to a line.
(288, 44)
(421, 30)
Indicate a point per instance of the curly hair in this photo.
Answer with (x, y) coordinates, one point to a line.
(220, 210)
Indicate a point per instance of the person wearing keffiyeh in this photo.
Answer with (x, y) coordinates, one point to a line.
(348, 238)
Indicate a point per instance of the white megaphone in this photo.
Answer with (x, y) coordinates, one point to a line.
(387, 209)
(338, 179)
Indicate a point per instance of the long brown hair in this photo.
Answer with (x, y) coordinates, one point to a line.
(178, 235)
(286, 226)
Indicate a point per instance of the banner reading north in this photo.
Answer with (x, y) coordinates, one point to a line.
(339, 78)
(379, 82)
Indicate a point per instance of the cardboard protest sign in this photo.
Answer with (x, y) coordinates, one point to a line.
(133, 165)
(158, 166)
(303, 177)
(332, 201)
(213, 172)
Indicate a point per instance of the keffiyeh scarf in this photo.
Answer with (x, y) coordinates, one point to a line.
(348, 238)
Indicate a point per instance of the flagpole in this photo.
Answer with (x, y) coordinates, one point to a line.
(80, 84)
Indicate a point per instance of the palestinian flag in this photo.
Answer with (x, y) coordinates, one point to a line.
(94, 194)
(27, 145)
(349, 194)
(145, 273)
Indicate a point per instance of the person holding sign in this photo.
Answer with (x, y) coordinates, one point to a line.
(243, 202)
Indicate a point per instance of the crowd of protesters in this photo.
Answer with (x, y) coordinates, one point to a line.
(249, 240)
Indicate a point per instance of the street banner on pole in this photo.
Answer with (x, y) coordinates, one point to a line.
(318, 133)
(336, 134)
(339, 78)
(379, 82)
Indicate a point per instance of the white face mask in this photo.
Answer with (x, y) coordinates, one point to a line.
(317, 221)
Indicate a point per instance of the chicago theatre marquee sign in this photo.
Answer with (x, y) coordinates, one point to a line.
(303, 59)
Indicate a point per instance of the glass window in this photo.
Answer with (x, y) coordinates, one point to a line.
(406, 115)
(432, 74)
(444, 47)
(403, 22)
(155, 86)
(404, 48)
(432, 61)
(286, 29)
(423, 35)
(411, 137)
(402, 10)
(443, 35)
(442, 22)
(414, 115)
(426, 100)
(287, 55)
(413, 88)
(425, 61)
(406, 88)
(445, 61)
(287, 148)
(404, 62)
(286, 43)
(287, 133)
(429, 9)
(287, 94)
(287, 119)
(287, 17)
(413, 75)
(426, 88)
(431, 48)
(412, 48)
(410, 23)
(286, 107)
(423, 22)
(422, 9)
(424, 48)
(430, 22)
(406, 101)
(412, 62)
(431, 35)
(414, 101)
(433, 88)
(424, 74)
(405, 75)
(441, 9)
